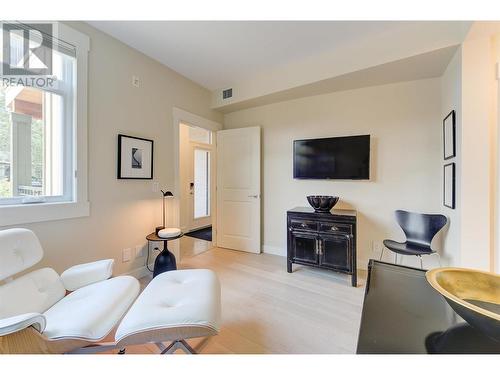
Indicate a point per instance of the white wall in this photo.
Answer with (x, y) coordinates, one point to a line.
(451, 99)
(476, 156)
(404, 121)
(496, 258)
(479, 148)
(123, 212)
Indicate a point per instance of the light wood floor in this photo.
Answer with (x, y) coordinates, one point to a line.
(267, 310)
(190, 246)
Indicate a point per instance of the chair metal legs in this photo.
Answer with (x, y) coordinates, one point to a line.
(438, 256)
(395, 255)
(419, 256)
(174, 345)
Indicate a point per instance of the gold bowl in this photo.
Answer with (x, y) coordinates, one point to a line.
(474, 295)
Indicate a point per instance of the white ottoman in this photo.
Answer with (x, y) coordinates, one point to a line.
(176, 305)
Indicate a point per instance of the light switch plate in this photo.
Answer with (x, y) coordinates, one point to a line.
(136, 81)
(376, 247)
(126, 255)
(139, 253)
(156, 186)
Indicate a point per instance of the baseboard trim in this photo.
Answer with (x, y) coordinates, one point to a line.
(138, 273)
(362, 264)
(274, 250)
(141, 272)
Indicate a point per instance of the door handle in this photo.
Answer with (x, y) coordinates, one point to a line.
(253, 196)
(318, 247)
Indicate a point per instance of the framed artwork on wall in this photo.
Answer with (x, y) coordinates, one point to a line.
(135, 158)
(449, 185)
(449, 136)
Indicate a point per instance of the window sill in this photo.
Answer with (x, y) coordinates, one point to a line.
(34, 213)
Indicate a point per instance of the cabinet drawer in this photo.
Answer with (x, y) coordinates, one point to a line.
(335, 228)
(303, 224)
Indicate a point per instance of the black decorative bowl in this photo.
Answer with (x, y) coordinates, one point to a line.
(322, 203)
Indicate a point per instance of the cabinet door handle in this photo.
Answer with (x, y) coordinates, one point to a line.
(303, 225)
(334, 228)
(318, 247)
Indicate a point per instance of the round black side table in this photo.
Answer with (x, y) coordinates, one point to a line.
(165, 261)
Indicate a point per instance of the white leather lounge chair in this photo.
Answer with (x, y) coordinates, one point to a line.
(37, 315)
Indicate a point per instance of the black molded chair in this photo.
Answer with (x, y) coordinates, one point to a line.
(419, 229)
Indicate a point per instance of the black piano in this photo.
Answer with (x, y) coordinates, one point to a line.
(403, 314)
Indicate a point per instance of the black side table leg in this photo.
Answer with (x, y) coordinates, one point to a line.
(165, 261)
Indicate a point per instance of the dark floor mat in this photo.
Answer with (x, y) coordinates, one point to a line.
(202, 234)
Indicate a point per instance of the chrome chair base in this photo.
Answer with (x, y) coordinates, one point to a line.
(419, 256)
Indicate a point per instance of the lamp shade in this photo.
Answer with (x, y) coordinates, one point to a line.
(167, 193)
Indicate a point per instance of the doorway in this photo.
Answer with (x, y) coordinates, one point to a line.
(230, 158)
(197, 185)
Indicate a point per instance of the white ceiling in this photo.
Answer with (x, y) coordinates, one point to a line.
(218, 54)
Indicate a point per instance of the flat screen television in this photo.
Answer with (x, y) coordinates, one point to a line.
(342, 158)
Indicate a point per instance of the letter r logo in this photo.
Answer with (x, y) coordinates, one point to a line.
(27, 49)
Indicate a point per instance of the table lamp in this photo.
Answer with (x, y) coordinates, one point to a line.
(162, 231)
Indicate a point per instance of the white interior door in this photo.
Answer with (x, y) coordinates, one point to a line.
(238, 189)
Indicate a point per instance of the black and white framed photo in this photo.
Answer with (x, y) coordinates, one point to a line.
(135, 158)
(449, 185)
(449, 136)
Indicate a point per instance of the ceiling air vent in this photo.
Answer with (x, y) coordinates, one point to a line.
(226, 94)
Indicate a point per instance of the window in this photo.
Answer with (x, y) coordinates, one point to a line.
(200, 138)
(43, 128)
(36, 131)
(201, 183)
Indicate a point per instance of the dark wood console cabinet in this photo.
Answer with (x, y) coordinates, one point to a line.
(324, 240)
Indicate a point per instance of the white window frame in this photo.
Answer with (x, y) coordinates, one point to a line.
(79, 206)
